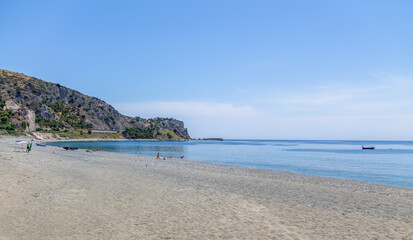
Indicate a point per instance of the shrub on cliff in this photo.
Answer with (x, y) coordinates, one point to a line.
(136, 133)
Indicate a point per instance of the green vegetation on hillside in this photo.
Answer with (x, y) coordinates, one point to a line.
(149, 133)
(43, 122)
(68, 114)
(5, 115)
(136, 133)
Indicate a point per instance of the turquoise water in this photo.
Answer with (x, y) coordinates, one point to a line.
(390, 163)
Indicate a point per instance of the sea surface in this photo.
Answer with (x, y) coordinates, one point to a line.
(390, 163)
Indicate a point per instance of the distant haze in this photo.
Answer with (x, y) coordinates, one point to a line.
(231, 69)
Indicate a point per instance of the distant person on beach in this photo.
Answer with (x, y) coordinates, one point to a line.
(28, 147)
(157, 155)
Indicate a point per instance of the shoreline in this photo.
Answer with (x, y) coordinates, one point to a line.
(51, 193)
(247, 166)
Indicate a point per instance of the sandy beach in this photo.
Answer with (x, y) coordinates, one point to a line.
(51, 193)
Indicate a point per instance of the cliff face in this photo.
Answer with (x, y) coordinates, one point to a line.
(60, 108)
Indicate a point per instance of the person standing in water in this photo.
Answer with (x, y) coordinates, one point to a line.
(157, 155)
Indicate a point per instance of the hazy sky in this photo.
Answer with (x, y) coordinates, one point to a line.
(232, 69)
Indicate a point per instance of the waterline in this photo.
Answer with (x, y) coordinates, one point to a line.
(390, 163)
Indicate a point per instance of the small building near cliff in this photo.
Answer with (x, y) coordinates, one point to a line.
(95, 131)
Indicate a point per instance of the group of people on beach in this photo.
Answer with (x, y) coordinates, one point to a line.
(157, 157)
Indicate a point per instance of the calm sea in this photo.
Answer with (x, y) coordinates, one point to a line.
(390, 163)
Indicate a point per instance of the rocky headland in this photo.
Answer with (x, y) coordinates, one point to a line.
(29, 104)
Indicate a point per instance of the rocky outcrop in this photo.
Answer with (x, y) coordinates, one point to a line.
(30, 118)
(46, 136)
(173, 125)
(59, 107)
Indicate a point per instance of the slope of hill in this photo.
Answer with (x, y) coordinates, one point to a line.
(31, 104)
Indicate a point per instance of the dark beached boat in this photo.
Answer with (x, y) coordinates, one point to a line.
(70, 148)
(368, 147)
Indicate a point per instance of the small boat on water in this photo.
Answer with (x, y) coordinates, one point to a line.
(368, 147)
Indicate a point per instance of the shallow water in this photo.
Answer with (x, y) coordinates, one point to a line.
(390, 163)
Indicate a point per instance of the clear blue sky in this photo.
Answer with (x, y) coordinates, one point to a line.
(233, 69)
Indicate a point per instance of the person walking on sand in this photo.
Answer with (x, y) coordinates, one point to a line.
(29, 147)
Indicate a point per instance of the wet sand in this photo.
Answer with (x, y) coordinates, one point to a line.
(51, 193)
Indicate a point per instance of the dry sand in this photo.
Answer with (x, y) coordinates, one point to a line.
(51, 193)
